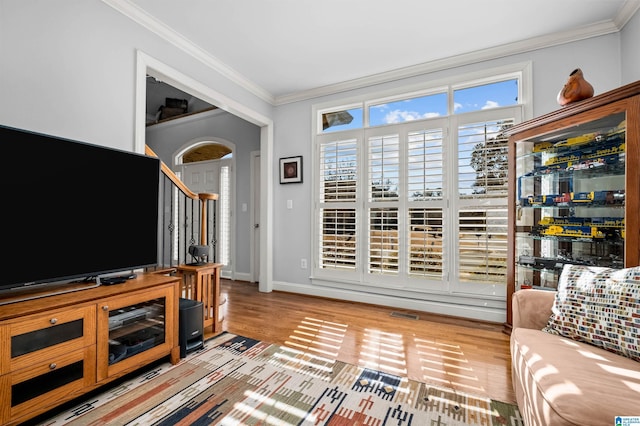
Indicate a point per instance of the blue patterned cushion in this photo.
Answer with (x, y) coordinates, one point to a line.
(600, 306)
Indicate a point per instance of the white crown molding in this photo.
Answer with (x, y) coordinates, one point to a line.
(142, 18)
(598, 29)
(628, 9)
(138, 15)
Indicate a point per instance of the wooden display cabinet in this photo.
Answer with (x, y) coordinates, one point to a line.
(57, 347)
(575, 198)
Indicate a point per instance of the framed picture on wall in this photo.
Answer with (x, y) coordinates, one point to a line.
(291, 169)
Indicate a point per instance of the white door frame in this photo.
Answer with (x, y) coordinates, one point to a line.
(147, 65)
(254, 213)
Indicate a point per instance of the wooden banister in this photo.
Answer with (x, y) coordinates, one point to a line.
(203, 197)
(171, 175)
(203, 215)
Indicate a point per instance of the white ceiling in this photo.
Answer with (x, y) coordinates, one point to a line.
(288, 49)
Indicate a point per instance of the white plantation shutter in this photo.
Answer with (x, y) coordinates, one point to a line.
(426, 244)
(482, 191)
(425, 192)
(383, 185)
(482, 160)
(383, 241)
(425, 173)
(339, 171)
(482, 250)
(338, 237)
(384, 167)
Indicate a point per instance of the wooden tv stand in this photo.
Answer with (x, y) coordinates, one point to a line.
(55, 348)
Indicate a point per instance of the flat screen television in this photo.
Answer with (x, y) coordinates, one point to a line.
(74, 210)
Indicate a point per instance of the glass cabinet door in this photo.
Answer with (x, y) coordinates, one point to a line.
(136, 328)
(570, 200)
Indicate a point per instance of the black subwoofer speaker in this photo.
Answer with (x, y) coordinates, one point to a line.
(191, 328)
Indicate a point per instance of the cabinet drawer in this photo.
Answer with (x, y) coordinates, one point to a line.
(43, 336)
(47, 383)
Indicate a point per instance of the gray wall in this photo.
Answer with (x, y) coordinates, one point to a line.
(630, 50)
(168, 138)
(67, 68)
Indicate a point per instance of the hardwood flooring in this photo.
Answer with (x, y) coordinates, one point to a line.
(460, 354)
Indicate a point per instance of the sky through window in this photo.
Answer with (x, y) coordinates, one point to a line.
(475, 98)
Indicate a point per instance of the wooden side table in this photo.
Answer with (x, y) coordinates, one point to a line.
(202, 283)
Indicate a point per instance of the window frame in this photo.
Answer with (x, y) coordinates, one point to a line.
(403, 284)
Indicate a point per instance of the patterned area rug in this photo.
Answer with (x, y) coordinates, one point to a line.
(235, 380)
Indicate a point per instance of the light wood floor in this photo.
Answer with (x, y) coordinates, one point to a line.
(465, 355)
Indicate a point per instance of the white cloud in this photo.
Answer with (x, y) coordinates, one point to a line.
(457, 106)
(490, 104)
(399, 116)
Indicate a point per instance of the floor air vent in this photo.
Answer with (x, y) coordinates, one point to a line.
(403, 315)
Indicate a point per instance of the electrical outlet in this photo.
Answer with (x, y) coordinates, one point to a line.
(303, 263)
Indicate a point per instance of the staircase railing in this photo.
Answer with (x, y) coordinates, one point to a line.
(185, 218)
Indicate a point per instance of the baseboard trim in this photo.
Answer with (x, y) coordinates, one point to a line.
(487, 314)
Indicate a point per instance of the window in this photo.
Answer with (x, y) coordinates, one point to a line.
(485, 96)
(408, 109)
(415, 198)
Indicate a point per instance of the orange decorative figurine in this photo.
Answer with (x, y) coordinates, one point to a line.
(575, 89)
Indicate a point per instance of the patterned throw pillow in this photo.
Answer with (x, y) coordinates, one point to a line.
(600, 306)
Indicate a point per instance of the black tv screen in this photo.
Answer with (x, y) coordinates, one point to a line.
(74, 210)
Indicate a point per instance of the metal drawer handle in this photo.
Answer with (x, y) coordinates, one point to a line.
(53, 320)
(105, 308)
(52, 366)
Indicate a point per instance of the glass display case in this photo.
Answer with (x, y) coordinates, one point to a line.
(570, 187)
(574, 179)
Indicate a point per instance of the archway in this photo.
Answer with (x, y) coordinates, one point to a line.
(205, 152)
